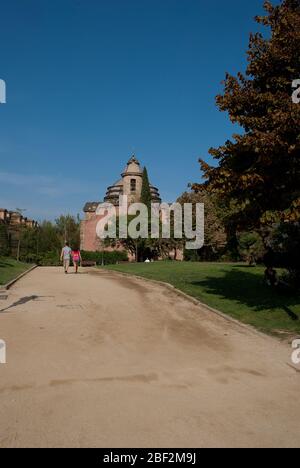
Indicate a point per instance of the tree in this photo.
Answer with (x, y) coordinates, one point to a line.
(215, 235)
(251, 247)
(283, 241)
(48, 238)
(68, 228)
(129, 244)
(4, 240)
(259, 171)
(42, 244)
(143, 248)
(146, 197)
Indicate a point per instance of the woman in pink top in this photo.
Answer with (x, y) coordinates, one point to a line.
(76, 257)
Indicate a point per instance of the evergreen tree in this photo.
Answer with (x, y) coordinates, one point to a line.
(146, 192)
(144, 246)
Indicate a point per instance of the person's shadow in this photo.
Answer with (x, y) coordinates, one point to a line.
(21, 301)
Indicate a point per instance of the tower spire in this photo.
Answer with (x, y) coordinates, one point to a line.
(133, 159)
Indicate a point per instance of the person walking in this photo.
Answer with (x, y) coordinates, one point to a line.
(65, 257)
(76, 257)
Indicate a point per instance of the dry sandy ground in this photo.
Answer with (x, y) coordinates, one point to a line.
(102, 360)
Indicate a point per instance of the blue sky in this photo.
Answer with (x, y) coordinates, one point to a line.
(89, 82)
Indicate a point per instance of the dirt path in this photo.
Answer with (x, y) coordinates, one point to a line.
(102, 360)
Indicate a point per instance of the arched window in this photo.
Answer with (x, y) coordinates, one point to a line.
(132, 185)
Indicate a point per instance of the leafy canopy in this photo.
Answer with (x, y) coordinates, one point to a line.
(258, 172)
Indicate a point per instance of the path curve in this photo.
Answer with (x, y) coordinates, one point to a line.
(102, 360)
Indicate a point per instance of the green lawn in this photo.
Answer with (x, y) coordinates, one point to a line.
(235, 289)
(10, 269)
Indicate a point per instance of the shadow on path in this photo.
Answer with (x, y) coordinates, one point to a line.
(22, 301)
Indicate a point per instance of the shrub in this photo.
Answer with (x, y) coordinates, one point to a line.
(251, 247)
(52, 258)
(283, 244)
(109, 258)
(206, 254)
(44, 259)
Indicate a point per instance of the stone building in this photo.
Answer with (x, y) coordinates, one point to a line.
(130, 184)
(11, 223)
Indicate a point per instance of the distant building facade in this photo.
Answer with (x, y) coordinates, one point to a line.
(11, 223)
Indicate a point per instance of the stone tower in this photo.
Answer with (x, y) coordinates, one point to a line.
(130, 185)
(132, 180)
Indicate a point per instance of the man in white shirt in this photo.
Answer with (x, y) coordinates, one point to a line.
(65, 256)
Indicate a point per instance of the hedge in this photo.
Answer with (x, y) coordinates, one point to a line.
(109, 258)
(53, 258)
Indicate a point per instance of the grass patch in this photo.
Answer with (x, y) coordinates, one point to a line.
(235, 289)
(10, 269)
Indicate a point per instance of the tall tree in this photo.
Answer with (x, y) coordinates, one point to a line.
(68, 228)
(146, 192)
(258, 175)
(215, 236)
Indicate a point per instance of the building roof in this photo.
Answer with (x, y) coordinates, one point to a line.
(91, 207)
(133, 167)
(133, 160)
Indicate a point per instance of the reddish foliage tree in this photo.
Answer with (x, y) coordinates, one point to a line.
(258, 172)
